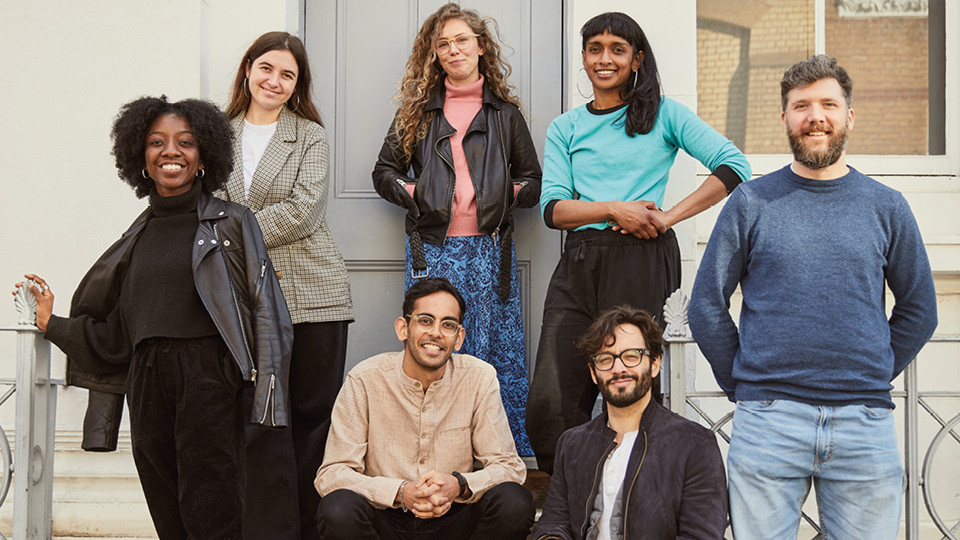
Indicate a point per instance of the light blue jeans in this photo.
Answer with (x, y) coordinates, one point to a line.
(849, 454)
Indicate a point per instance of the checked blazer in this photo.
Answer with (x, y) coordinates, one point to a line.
(288, 196)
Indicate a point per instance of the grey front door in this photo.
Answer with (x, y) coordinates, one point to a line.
(358, 49)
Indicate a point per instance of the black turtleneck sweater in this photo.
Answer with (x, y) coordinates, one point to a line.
(158, 296)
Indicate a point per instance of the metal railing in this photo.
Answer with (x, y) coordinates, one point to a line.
(30, 467)
(680, 393)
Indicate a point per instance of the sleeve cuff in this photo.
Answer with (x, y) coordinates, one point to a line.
(57, 328)
(728, 176)
(548, 213)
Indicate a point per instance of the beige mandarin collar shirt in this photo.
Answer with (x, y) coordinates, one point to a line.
(385, 429)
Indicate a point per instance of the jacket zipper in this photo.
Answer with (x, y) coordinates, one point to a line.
(626, 502)
(270, 403)
(508, 183)
(236, 305)
(593, 488)
(454, 191)
(263, 272)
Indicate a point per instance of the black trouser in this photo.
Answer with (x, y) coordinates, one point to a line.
(598, 270)
(282, 464)
(186, 424)
(505, 512)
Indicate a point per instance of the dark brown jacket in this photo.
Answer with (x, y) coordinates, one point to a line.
(675, 486)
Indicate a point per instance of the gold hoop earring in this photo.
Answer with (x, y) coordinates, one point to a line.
(579, 91)
(294, 109)
(246, 87)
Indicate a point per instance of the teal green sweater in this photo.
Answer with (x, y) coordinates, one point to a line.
(812, 259)
(589, 155)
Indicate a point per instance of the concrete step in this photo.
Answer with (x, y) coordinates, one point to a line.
(95, 495)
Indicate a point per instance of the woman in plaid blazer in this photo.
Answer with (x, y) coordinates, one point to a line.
(280, 150)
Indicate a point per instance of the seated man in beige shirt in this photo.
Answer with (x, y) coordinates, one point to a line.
(404, 434)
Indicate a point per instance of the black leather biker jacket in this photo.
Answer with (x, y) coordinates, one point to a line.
(239, 288)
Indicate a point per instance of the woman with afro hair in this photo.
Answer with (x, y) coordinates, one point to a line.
(178, 315)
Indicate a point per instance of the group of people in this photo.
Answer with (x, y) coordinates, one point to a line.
(222, 312)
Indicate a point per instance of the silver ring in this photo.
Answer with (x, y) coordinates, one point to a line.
(44, 289)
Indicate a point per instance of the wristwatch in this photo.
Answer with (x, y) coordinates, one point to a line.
(462, 481)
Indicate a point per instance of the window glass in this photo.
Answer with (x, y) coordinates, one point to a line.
(893, 52)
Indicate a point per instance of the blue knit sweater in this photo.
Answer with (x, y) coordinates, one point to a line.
(811, 258)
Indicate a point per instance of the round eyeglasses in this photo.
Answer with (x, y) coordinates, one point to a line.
(426, 323)
(630, 358)
(462, 41)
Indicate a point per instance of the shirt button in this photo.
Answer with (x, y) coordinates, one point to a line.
(221, 213)
(200, 243)
(422, 461)
(423, 409)
(213, 241)
(423, 435)
(415, 384)
(226, 243)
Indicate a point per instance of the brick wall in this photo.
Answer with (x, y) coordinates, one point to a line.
(739, 71)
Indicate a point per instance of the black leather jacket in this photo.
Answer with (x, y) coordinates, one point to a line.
(499, 153)
(675, 486)
(251, 316)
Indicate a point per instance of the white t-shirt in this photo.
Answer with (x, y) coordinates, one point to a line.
(253, 143)
(614, 471)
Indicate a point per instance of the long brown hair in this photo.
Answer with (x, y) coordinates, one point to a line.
(424, 74)
(300, 102)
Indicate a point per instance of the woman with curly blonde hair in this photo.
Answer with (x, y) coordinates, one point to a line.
(459, 157)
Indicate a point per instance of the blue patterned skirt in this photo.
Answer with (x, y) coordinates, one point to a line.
(494, 329)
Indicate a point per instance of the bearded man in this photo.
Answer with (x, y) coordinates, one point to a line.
(638, 470)
(813, 248)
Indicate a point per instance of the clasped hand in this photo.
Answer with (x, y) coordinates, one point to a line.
(640, 218)
(431, 495)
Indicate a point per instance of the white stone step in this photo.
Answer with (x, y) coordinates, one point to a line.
(96, 495)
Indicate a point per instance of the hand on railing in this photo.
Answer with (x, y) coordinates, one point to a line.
(36, 307)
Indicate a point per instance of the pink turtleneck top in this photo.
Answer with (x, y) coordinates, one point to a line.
(460, 107)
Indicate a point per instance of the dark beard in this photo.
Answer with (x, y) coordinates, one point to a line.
(819, 160)
(621, 400)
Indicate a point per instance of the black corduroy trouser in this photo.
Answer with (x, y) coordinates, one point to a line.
(597, 271)
(186, 424)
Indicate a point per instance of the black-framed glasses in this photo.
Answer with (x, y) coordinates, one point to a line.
(631, 358)
(460, 40)
(426, 323)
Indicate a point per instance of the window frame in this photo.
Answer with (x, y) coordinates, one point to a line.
(947, 164)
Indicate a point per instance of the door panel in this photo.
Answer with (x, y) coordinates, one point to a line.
(358, 50)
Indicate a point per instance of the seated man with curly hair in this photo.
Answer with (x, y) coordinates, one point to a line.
(639, 470)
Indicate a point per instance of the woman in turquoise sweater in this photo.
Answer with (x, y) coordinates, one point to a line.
(606, 166)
